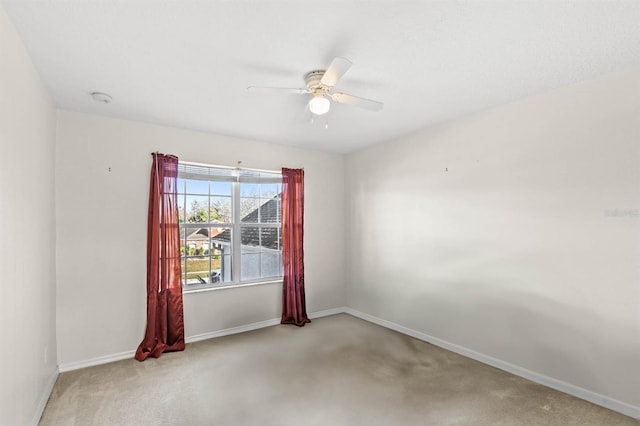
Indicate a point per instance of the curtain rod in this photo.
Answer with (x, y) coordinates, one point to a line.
(191, 163)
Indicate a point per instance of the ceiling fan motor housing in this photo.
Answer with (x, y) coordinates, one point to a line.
(312, 80)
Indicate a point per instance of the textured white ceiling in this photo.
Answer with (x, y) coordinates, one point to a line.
(188, 63)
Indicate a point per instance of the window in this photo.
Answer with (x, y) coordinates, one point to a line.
(230, 226)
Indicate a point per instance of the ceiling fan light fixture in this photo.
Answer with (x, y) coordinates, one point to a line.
(320, 83)
(319, 105)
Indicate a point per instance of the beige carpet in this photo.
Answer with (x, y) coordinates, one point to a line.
(337, 370)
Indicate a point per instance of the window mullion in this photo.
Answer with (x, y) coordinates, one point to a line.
(184, 241)
(209, 250)
(236, 234)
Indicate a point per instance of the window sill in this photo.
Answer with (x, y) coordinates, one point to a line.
(228, 286)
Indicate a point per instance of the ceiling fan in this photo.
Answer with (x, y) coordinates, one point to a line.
(320, 85)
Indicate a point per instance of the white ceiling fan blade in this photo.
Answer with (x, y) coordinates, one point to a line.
(338, 67)
(295, 90)
(343, 98)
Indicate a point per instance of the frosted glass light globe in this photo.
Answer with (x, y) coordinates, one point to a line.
(319, 105)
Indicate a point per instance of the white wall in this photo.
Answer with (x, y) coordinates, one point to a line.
(517, 251)
(102, 230)
(27, 234)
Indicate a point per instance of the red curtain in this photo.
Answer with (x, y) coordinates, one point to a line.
(165, 322)
(294, 310)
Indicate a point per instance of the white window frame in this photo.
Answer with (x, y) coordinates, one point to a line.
(235, 226)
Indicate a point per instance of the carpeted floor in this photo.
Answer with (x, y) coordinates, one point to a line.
(338, 370)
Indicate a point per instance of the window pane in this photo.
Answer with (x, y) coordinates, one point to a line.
(197, 270)
(225, 269)
(207, 256)
(250, 267)
(180, 186)
(183, 242)
(256, 239)
(249, 210)
(271, 265)
(221, 240)
(221, 188)
(249, 190)
(183, 265)
(215, 275)
(221, 254)
(197, 186)
(181, 210)
(269, 239)
(270, 210)
(250, 237)
(197, 241)
(269, 190)
(221, 209)
(197, 209)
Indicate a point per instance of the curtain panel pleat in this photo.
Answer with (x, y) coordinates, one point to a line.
(165, 320)
(294, 309)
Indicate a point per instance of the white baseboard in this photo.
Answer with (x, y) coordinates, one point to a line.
(257, 325)
(327, 312)
(70, 366)
(190, 339)
(44, 398)
(233, 330)
(604, 401)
